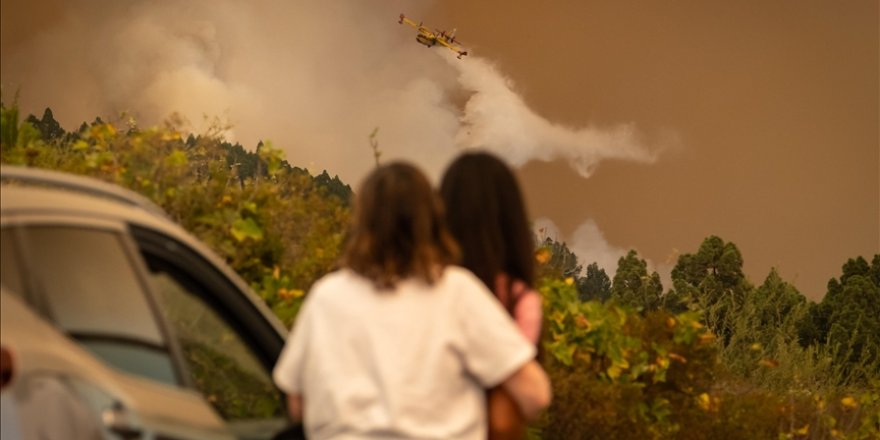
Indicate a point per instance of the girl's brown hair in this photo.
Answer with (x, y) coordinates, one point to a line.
(487, 215)
(399, 230)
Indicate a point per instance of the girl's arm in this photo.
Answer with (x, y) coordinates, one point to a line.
(528, 315)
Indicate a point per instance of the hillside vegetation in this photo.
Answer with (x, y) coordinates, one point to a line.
(714, 356)
(278, 226)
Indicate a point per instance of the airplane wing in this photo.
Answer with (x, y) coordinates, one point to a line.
(452, 44)
(404, 19)
(446, 43)
(453, 47)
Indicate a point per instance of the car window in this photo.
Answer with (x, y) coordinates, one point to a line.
(92, 291)
(222, 366)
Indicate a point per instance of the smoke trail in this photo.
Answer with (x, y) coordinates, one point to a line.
(497, 118)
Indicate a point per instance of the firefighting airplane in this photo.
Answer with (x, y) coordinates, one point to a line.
(428, 38)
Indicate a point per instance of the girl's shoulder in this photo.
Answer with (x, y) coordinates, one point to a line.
(339, 283)
(457, 275)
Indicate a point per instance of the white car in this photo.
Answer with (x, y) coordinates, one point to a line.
(119, 324)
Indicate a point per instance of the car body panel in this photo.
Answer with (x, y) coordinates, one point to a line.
(39, 348)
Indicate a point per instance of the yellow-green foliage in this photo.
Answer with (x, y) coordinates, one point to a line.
(621, 374)
(278, 229)
(617, 374)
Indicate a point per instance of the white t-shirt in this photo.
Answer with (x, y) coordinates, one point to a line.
(409, 363)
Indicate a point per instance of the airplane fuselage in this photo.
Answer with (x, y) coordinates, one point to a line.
(427, 41)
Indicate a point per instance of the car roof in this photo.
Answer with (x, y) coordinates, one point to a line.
(84, 185)
(28, 191)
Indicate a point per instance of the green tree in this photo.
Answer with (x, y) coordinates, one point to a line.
(8, 125)
(765, 335)
(561, 261)
(712, 280)
(854, 320)
(855, 323)
(596, 285)
(334, 186)
(815, 328)
(633, 286)
(847, 321)
(776, 306)
(49, 128)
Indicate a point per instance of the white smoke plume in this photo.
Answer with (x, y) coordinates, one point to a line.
(314, 77)
(587, 242)
(497, 118)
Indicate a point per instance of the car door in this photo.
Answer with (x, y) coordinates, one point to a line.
(87, 278)
(229, 344)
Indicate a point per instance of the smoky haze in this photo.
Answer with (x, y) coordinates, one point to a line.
(314, 77)
(754, 120)
(776, 103)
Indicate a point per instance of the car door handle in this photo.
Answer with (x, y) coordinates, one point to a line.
(118, 421)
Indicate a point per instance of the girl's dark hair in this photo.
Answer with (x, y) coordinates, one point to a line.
(398, 228)
(486, 214)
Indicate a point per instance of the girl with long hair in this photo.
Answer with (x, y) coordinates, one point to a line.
(486, 214)
(400, 342)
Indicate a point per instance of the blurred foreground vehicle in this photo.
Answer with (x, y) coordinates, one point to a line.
(116, 323)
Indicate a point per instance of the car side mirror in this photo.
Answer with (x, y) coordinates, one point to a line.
(118, 421)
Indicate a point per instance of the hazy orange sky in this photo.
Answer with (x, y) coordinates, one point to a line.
(756, 121)
(775, 103)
